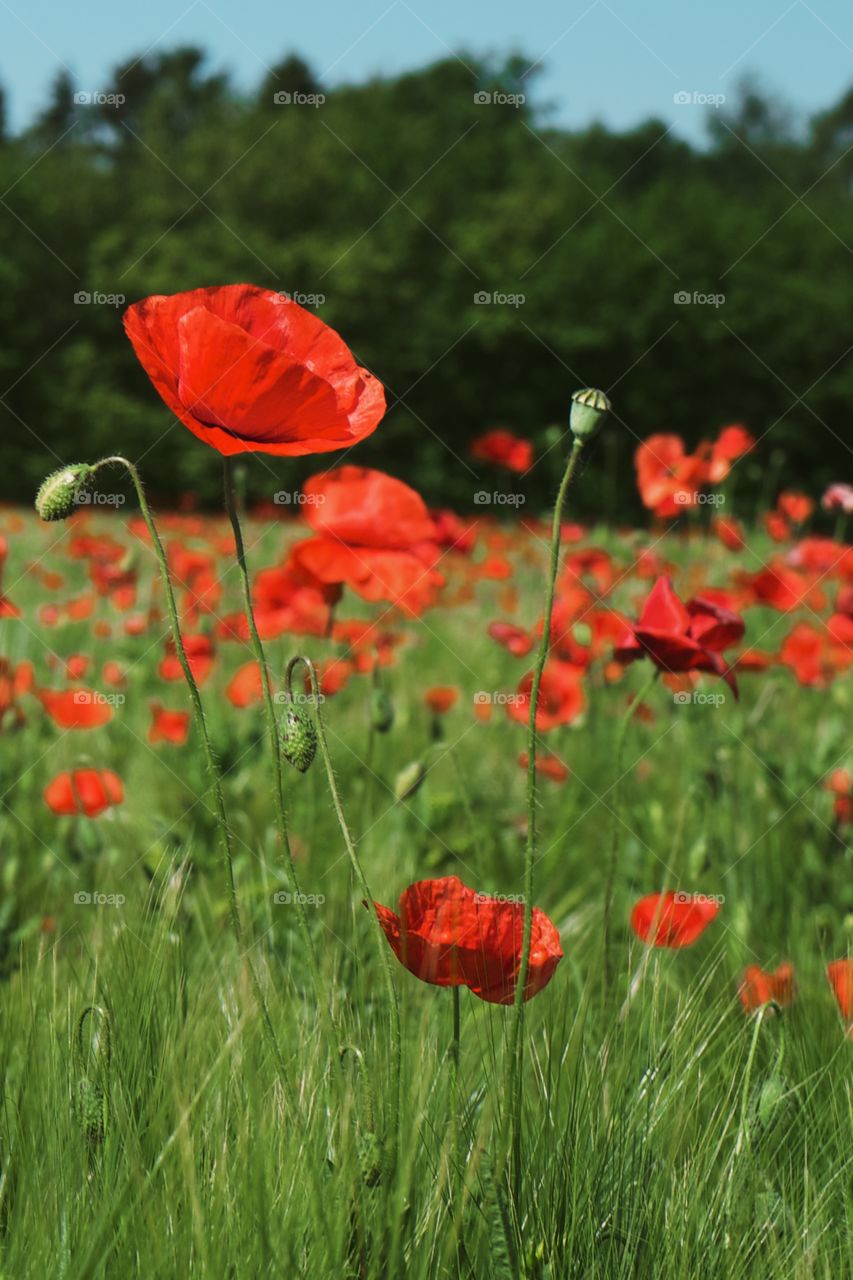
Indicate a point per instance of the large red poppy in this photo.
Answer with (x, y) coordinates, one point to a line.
(673, 919)
(250, 371)
(679, 637)
(374, 534)
(451, 936)
(84, 791)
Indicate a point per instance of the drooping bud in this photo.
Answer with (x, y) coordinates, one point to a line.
(298, 738)
(60, 493)
(588, 410)
(381, 711)
(408, 780)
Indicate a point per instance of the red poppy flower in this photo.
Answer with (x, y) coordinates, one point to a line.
(245, 686)
(730, 533)
(668, 478)
(732, 443)
(503, 449)
(84, 791)
(76, 708)
(450, 936)
(759, 987)
(168, 726)
(247, 370)
(441, 699)
(673, 919)
(515, 640)
(796, 507)
(14, 683)
(561, 696)
(680, 638)
(374, 534)
(840, 975)
(200, 655)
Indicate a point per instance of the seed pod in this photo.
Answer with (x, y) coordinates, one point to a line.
(298, 738)
(381, 711)
(408, 780)
(587, 412)
(60, 493)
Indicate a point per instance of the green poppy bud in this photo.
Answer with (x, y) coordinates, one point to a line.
(381, 711)
(408, 780)
(298, 738)
(587, 412)
(60, 493)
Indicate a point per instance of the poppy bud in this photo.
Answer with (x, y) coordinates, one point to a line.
(60, 493)
(408, 780)
(381, 711)
(298, 739)
(587, 412)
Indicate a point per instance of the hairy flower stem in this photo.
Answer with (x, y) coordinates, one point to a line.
(613, 854)
(275, 747)
(514, 1054)
(384, 950)
(213, 769)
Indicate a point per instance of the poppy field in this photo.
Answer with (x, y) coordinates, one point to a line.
(392, 890)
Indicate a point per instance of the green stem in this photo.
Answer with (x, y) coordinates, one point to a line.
(355, 862)
(514, 1072)
(454, 1086)
(212, 763)
(743, 1128)
(275, 746)
(613, 855)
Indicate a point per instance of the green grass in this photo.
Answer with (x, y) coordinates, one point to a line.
(649, 1149)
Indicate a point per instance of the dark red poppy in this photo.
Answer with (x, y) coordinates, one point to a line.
(673, 919)
(504, 450)
(76, 708)
(840, 975)
(84, 791)
(248, 370)
(730, 532)
(168, 726)
(451, 936)
(680, 638)
(374, 534)
(759, 987)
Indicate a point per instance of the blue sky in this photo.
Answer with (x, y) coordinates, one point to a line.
(619, 61)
